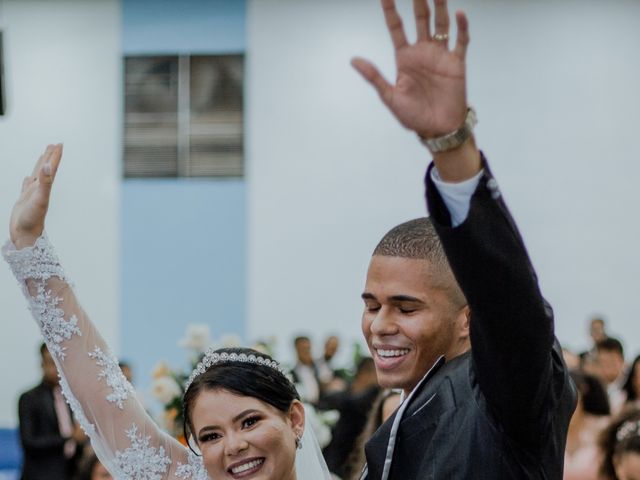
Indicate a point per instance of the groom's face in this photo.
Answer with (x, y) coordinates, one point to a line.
(408, 320)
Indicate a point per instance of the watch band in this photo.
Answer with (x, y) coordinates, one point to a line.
(454, 139)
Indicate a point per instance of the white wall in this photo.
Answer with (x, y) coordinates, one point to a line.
(555, 84)
(63, 78)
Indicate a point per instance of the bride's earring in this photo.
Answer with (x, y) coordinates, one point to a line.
(299, 441)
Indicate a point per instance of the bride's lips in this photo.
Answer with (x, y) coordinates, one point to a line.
(246, 468)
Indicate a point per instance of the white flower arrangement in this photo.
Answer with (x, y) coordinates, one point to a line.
(230, 341)
(166, 389)
(197, 338)
(321, 423)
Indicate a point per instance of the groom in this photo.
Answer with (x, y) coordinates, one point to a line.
(453, 313)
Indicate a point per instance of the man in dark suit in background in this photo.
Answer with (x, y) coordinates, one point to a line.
(50, 439)
(453, 313)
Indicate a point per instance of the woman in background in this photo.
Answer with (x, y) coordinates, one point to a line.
(582, 454)
(631, 386)
(620, 443)
(92, 469)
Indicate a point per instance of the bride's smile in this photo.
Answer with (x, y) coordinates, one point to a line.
(242, 437)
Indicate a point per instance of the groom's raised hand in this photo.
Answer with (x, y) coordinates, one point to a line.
(430, 93)
(29, 212)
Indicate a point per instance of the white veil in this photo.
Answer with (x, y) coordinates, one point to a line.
(310, 464)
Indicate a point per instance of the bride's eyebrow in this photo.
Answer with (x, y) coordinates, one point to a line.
(244, 414)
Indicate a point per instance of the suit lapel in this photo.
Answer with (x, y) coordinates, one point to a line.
(382, 444)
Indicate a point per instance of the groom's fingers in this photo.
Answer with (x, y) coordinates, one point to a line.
(423, 17)
(462, 40)
(442, 19)
(373, 76)
(394, 24)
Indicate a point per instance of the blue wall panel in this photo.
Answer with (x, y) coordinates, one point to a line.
(183, 261)
(183, 26)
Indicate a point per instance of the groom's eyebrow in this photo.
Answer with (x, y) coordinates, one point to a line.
(393, 298)
(404, 299)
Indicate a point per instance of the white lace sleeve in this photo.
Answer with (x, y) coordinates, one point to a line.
(124, 437)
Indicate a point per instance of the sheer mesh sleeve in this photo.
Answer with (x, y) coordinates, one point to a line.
(124, 437)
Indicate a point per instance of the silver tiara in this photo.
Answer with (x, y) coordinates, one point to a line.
(211, 357)
(628, 429)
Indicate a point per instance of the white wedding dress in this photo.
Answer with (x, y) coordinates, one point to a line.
(126, 440)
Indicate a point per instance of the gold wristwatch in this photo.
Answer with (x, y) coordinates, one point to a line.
(454, 139)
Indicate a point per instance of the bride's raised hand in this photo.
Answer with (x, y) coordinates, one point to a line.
(429, 95)
(29, 212)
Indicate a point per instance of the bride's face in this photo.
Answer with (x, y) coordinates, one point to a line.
(245, 438)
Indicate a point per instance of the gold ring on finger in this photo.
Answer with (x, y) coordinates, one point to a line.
(441, 37)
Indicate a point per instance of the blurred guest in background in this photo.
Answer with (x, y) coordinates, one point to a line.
(305, 372)
(126, 371)
(383, 407)
(597, 330)
(572, 360)
(582, 455)
(597, 333)
(610, 366)
(354, 405)
(620, 443)
(331, 378)
(326, 371)
(51, 440)
(631, 386)
(92, 469)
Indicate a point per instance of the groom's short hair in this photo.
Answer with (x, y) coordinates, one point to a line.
(418, 239)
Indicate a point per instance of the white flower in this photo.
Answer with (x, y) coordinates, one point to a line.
(322, 431)
(198, 337)
(260, 347)
(161, 370)
(329, 417)
(165, 389)
(230, 341)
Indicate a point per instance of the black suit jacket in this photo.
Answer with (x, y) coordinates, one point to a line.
(354, 410)
(42, 443)
(500, 411)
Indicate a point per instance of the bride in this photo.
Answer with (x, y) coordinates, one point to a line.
(243, 417)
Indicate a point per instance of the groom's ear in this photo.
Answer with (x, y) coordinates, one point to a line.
(464, 322)
(297, 417)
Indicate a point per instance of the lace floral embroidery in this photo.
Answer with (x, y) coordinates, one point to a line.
(40, 263)
(78, 412)
(55, 329)
(114, 377)
(141, 461)
(194, 470)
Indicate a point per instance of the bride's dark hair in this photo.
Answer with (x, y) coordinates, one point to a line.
(242, 378)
